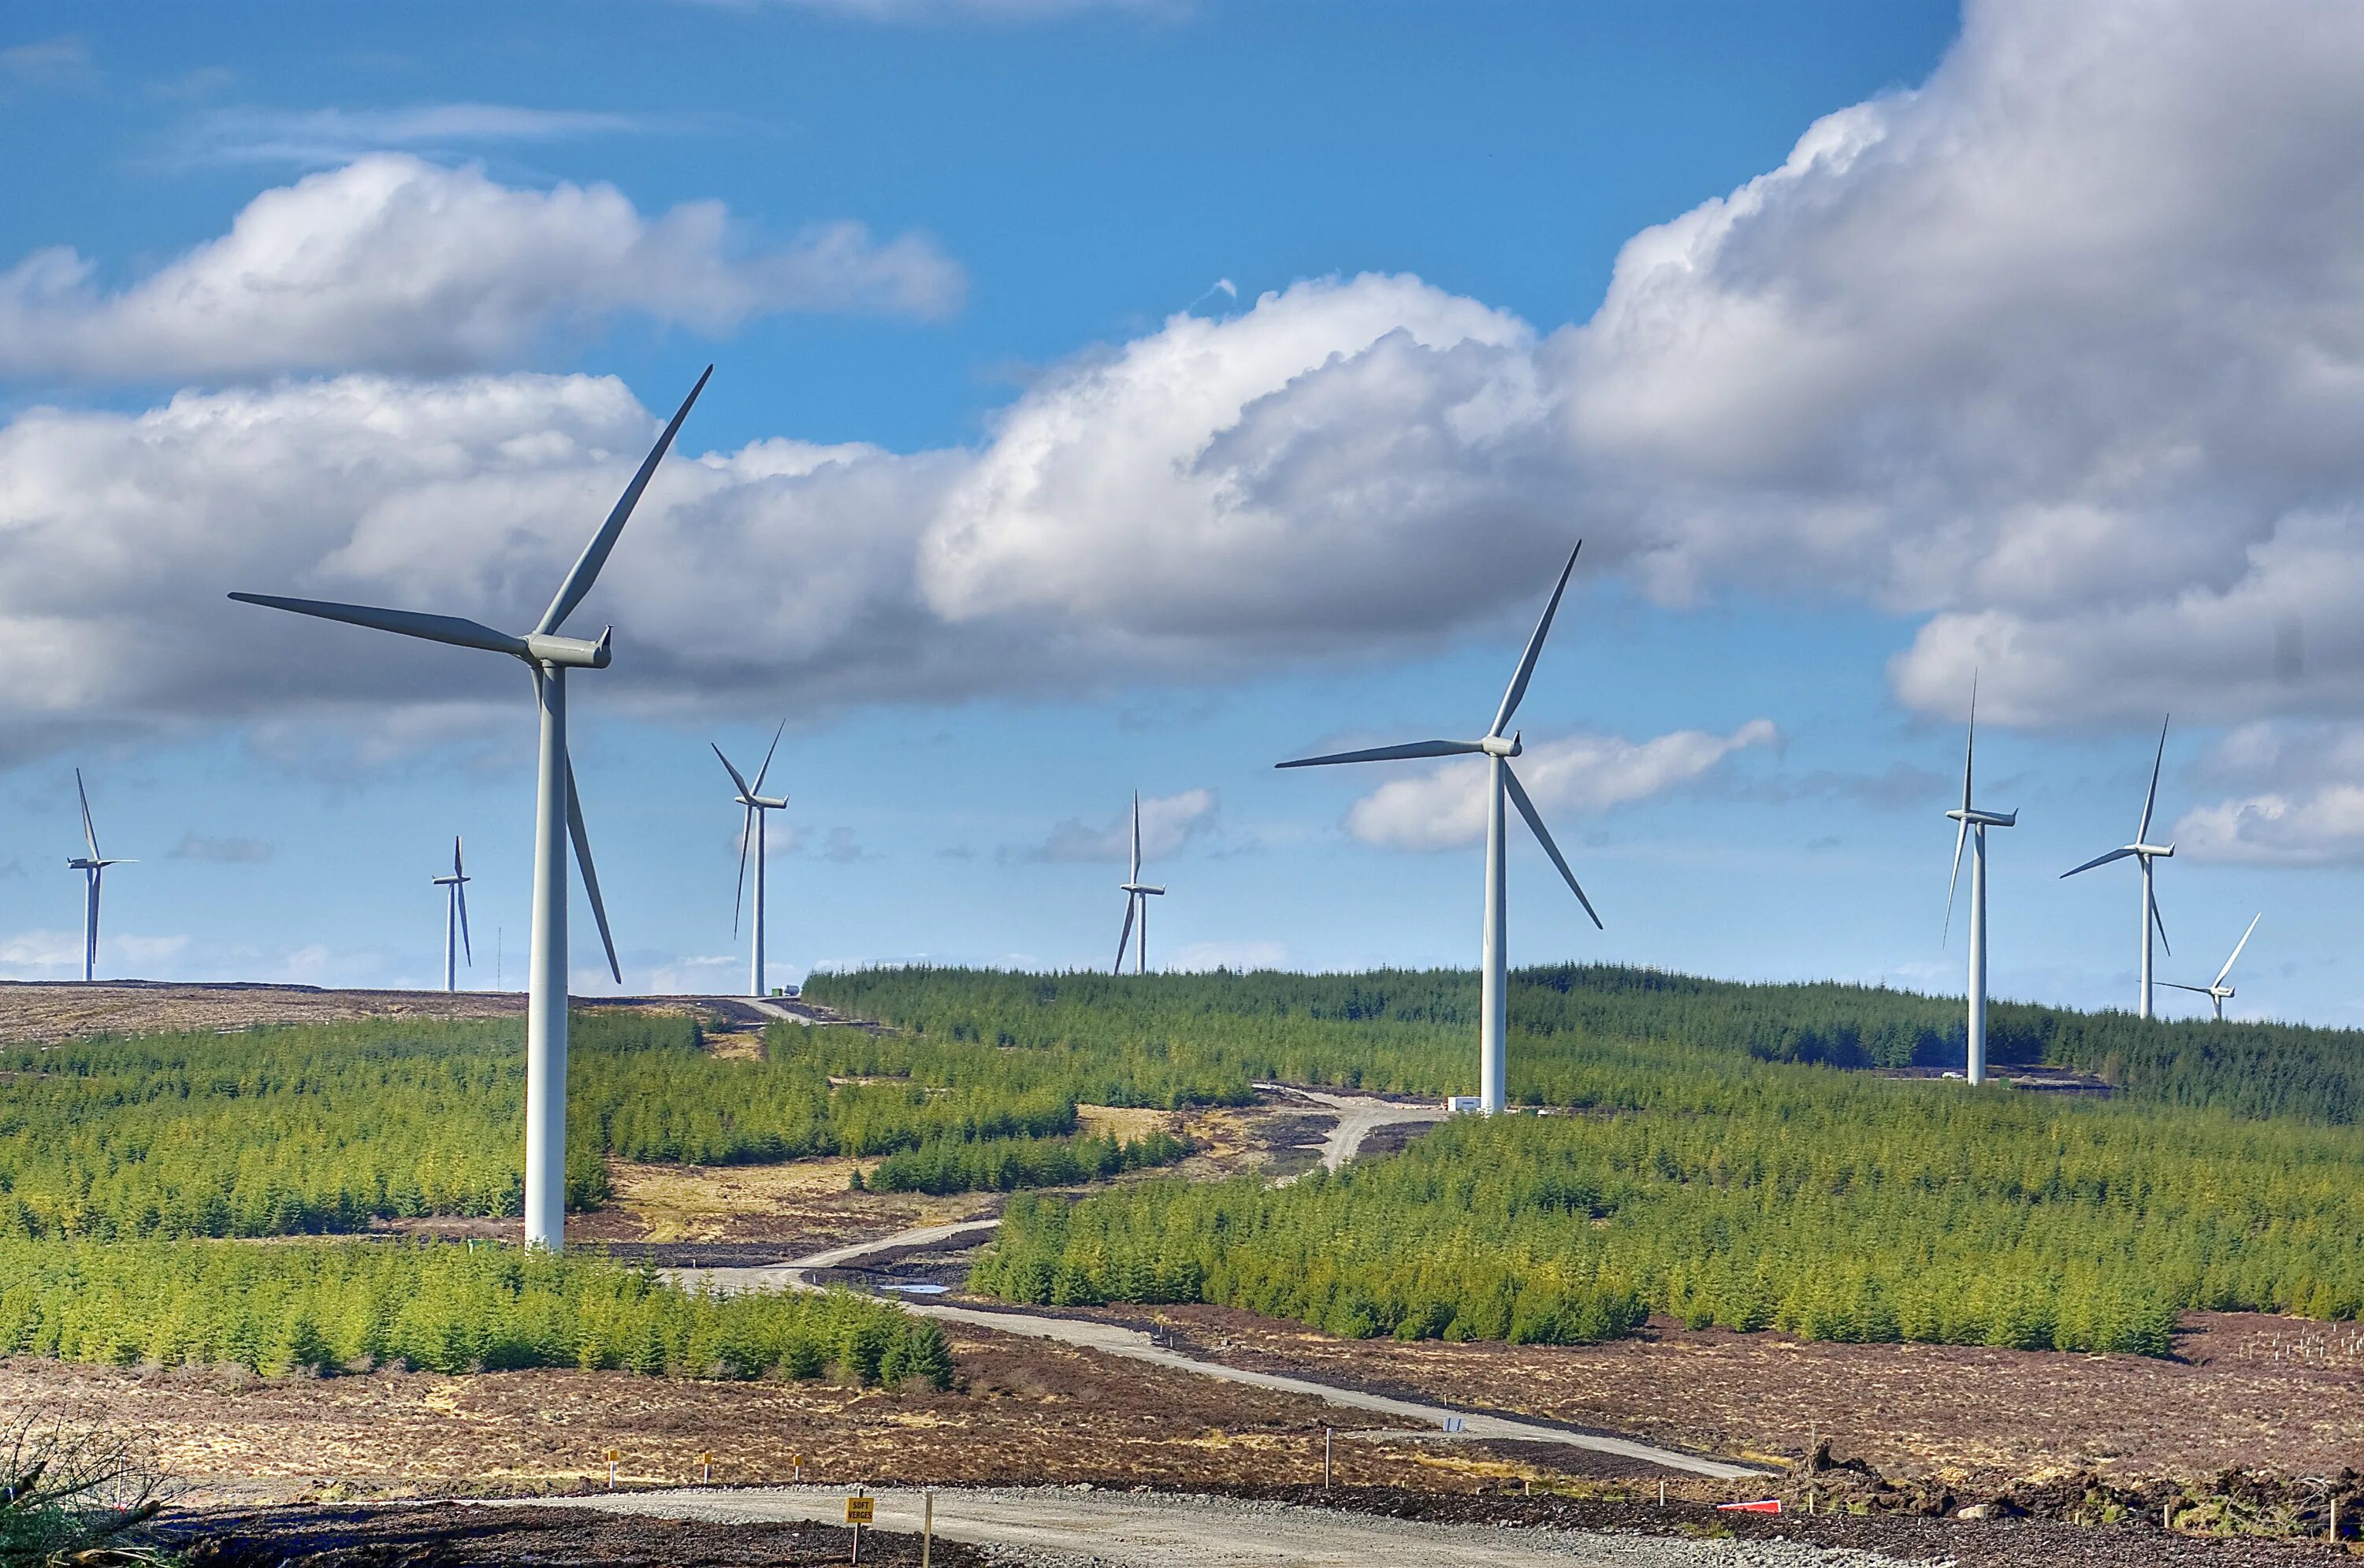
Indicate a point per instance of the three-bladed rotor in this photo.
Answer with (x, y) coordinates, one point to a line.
(2142, 851)
(93, 866)
(1137, 894)
(1969, 816)
(1493, 743)
(547, 652)
(751, 796)
(458, 883)
(2216, 991)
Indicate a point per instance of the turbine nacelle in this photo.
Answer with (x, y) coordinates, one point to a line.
(569, 652)
(1495, 746)
(1985, 819)
(1138, 887)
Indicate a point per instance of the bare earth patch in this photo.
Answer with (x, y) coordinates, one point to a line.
(1026, 1412)
(798, 1207)
(38, 1014)
(1963, 1412)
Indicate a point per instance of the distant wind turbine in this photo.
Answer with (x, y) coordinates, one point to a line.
(2216, 991)
(2144, 852)
(1137, 894)
(558, 815)
(1974, 826)
(455, 920)
(92, 867)
(1493, 990)
(751, 836)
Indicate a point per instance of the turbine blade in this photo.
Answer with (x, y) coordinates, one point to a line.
(1953, 882)
(1969, 751)
(455, 855)
(764, 771)
(2161, 926)
(2179, 985)
(734, 773)
(2097, 860)
(1124, 937)
(746, 842)
(582, 837)
(2237, 947)
(595, 554)
(1512, 698)
(1391, 753)
(2142, 834)
(89, 833)
(460, 891)
(1543, 836)
(454, 629)
(1136, 838)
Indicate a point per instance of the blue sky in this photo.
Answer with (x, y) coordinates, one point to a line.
(1203, 384)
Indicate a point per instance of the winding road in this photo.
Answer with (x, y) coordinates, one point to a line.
(1358, 1117)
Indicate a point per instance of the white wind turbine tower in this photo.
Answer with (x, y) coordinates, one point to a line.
(2144, 852)
(455, 920)
(1974, 822)
(92, 867)
(2216, 991)
(558, 815)
(1500, 782)
(1137, 894)
(751, 836)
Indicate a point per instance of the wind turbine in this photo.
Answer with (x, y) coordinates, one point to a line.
(751, 834)
(1137, 894)
(558, 815)
(1972, 821)
(92, 867)
(455, 920)
(2216, 991)
(2144, 852)
(1493, 990)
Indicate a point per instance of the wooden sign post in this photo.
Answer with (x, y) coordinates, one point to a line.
(859, 1511)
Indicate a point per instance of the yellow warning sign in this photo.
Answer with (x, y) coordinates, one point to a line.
(858, 1510)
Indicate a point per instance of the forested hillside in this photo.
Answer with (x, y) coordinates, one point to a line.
(325, 1128)
(1708, 1157)
(1406, 1030)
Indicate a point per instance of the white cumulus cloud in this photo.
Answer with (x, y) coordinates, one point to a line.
(1443, 807)
(2298, 800)
(395, 263)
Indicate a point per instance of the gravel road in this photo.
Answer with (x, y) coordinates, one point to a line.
(1359, 1116)
(1064, 1527)
(1110, 1338)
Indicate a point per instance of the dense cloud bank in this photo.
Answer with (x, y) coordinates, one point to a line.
(2060, 353)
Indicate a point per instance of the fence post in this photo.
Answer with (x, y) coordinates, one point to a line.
(927, 1523)
(1327, 1434)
